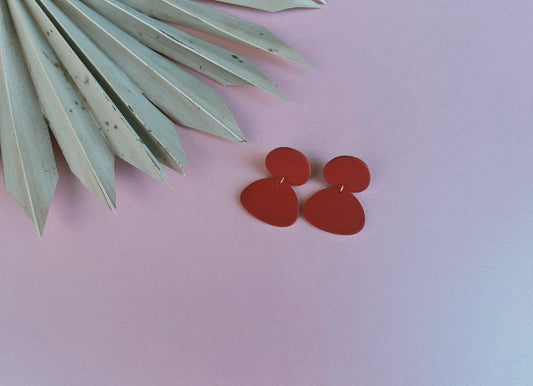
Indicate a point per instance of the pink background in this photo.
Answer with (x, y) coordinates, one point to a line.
(183, 287)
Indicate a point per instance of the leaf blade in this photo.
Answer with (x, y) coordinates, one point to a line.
(180, 95)
(85, 150)
(154, 128)
(30, 173)
(121, 137)
(217, 63)
(273, 5)
(207, 19)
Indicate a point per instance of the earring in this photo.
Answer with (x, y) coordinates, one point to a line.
(335, 209)
(273, 200)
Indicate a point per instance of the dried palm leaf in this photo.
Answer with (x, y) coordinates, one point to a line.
(30, 173)
(203, 18)
(275, 5)
(98, 74)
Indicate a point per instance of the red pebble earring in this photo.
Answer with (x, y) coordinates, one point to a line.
(273, 200)
(336, 210)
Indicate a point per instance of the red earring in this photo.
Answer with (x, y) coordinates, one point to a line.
(336, 210)
(273, 200)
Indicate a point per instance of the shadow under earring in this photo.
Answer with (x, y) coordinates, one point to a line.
(273, 200)
(335, 209)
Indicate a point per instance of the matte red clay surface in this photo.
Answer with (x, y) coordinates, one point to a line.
(349, 171)
(271, 202)
(289, 163)
(335, 212)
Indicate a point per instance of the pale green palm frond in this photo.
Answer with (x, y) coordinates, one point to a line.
(99, 74)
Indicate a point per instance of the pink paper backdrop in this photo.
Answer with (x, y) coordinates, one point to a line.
(183, 287)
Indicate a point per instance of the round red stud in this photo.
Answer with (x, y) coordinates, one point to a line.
(271, 201)
(347, 171)
(289, 163)
(335, 211)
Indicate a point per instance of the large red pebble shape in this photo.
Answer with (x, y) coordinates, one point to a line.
(289, 163)
(271, 202)
(335, 212)
(349, 171)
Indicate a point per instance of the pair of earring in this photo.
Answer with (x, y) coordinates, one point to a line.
(335, 209)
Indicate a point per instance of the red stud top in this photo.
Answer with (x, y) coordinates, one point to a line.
(349, 171)
(289, 163)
